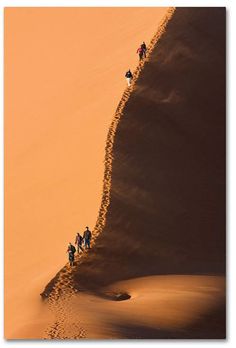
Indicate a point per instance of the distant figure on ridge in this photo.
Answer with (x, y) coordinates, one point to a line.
(78, 242)
(71, 253)
(140, 52)
(129, 77)
(144, 48)
(87, 237)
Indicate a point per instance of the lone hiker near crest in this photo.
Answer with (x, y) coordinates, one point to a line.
(71, 253)
(129, 77)
(78, 242)
(144, 48)
(87, 238)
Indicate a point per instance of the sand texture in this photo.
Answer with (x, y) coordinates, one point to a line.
(157, 264)
(157, 268)
(64, 77)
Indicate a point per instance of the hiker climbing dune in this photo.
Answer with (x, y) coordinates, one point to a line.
(78, 242)
(87, 238)
(144, 49)
(129, 77)
(71, 253)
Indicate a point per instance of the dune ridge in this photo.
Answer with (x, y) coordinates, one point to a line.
(62, 285)
(58, 280)
(163, 239)
(55, 136)
(101, 220)
(166, 214)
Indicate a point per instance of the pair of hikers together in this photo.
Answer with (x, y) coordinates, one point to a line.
(142, 54)
(79, 241)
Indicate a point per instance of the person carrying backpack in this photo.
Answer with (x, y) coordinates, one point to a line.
(87, 238)
(129, 77)
(71, 253)
(78, 242)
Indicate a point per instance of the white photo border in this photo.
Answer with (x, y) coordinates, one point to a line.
(231, 170)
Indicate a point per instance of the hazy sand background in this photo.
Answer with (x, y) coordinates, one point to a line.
(64, 75)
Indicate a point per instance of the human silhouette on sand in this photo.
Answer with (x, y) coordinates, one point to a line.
(71, 253)
(87, 238)
(129, 77)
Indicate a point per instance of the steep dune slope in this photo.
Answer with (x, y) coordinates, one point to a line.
(64, 76)
(162, 249)
(167, 207)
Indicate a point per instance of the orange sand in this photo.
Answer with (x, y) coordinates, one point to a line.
(159, 307)
(166, 213)
(64, 76)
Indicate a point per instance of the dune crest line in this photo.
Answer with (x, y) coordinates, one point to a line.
(61, 285)
(61, 276)
(101, 220)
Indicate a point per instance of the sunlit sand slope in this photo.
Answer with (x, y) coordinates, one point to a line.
(64, 77)
(166, 212)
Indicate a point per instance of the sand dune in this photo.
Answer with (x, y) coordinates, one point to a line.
(64, 76)
(167, 207)
(162, 238)
(163, 242)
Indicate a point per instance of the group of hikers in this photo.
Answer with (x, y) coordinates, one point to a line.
(81, 242)
(142, 50)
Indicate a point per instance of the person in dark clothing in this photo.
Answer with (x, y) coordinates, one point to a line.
(87, 238)
(144, 48)
(78, 242)
(140, 52)
(71, 253)
(129, 77)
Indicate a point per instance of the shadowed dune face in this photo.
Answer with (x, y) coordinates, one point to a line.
(167, 306)
(167, 209)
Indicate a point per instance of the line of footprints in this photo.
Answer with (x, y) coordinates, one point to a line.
(63, 288)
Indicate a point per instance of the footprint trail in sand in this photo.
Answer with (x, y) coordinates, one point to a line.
(58, 300)
(59, 297)
(112, 130)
